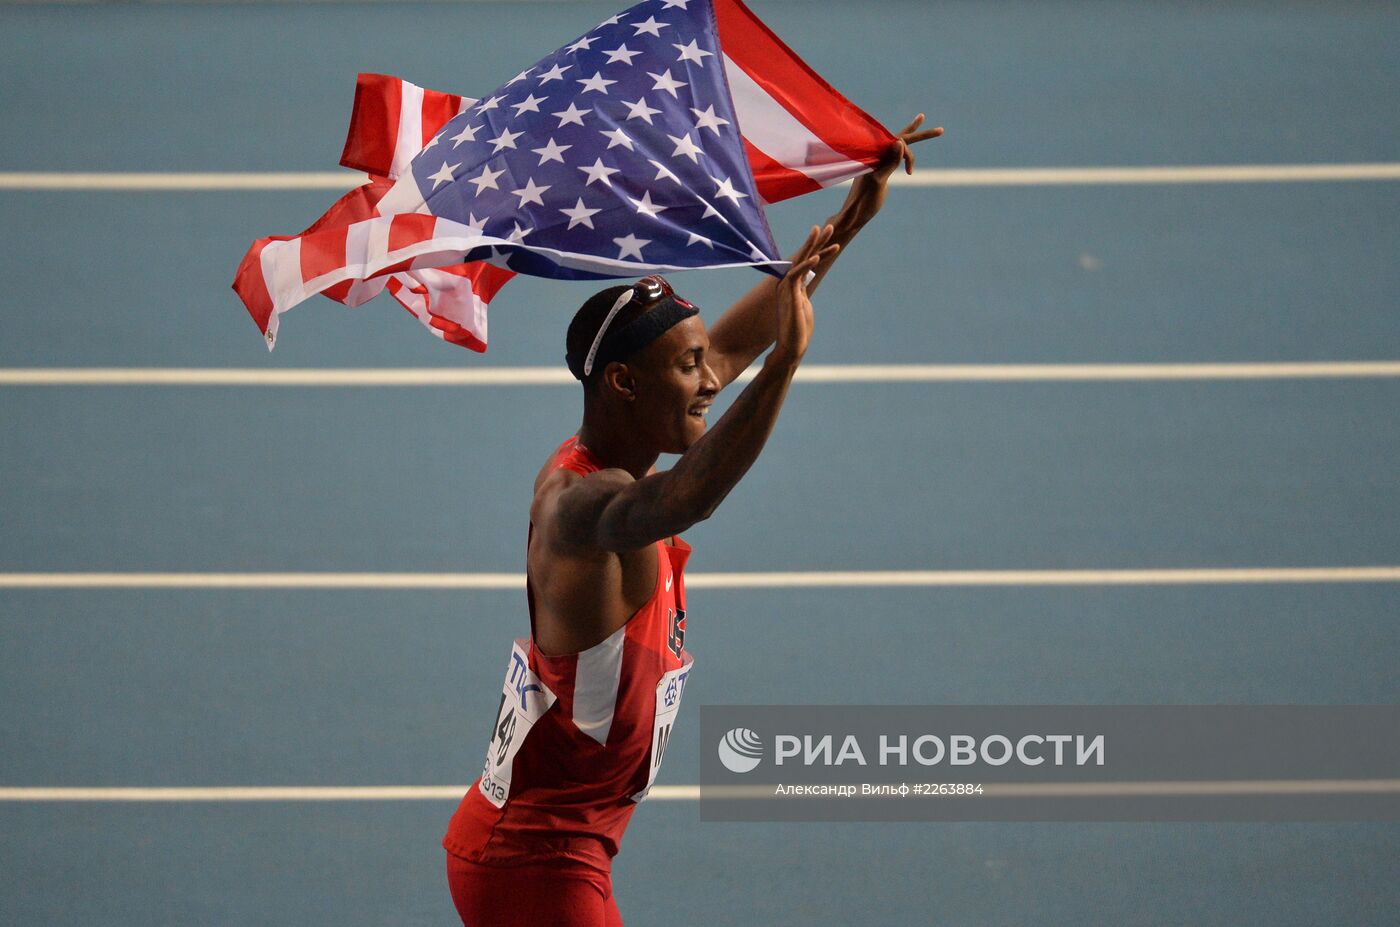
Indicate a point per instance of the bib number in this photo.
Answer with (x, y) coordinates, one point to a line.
(668, 703)
(524, 700)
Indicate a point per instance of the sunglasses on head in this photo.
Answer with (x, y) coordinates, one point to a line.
(655, 288)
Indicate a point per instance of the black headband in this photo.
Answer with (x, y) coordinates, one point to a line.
(621, 343)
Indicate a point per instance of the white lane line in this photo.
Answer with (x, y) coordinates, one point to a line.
(262, 580)
(150, 182)
(945, 578)
(953, 177)
(211, 376)
(1223, 787)
(238, 793)
(694, 792)
(279, 793)
(1195, 173)
(814, 373)
(791, 580)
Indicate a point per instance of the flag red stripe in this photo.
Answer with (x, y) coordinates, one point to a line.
(774, 181)
(451, 331)
(438, 110)
(407, 229)
(487, 279)
(372, 141)
(359, 203)
(458, 335)
(323, 252)
(786, 78)
(338, 292)
(250, 286)
(374, 124)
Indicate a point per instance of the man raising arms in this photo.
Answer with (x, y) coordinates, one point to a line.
(589, 699)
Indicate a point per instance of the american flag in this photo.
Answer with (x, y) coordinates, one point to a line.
(649, 144)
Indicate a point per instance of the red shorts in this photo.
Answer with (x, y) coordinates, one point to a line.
(527, 896)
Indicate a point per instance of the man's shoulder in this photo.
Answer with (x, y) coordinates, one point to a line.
(568, 505)
(548, 485)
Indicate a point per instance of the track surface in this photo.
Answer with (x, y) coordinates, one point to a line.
(274, 687)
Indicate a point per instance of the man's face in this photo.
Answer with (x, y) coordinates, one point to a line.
(674, 387)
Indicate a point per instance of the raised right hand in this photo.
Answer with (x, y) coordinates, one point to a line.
(794, 308)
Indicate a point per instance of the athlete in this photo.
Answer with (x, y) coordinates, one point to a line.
(588, 701)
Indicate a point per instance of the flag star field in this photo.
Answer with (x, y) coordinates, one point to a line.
(634, 153)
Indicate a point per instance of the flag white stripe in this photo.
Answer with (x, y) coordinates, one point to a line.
(441, 227)
(451, 242)
(401, 289)
(403, 196)
(953, 177)
(450, 297)
(810, 373)
(775, 580)
(375, 253)
(769, 127)
(281, 266)
(410, 139)
(362, 291)
(356, 243)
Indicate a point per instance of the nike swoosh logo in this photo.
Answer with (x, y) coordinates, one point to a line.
(668, 581)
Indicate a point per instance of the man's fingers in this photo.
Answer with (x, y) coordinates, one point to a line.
(806, 246)
(800, 256)
(908, 137)
(921, 136)
(818, 239)
(813, 251)
(826, 254)
(900, 152)
(800, 268)
(797, 273)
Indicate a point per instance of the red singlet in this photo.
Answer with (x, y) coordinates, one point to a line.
(577, 742)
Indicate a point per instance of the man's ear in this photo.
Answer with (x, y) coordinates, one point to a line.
(618, 378)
